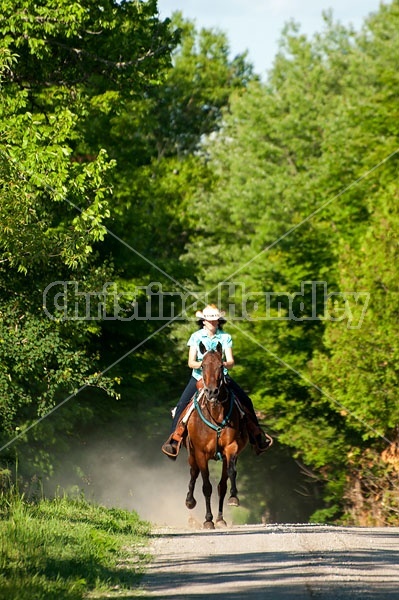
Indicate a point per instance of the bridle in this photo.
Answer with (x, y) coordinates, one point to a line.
(212, 397)
(211, 393)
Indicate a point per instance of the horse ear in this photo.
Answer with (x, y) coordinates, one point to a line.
(202, 348)
(219, 348)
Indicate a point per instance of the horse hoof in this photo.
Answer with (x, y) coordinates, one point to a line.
(221, 523)
(191, 503)
(233, 501)
(209, 525)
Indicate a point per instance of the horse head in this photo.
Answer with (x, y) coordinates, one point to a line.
(212, 371)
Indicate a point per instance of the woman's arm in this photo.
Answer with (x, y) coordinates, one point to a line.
(229, 362)
(193, 363)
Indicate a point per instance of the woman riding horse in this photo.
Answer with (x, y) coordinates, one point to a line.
(211, 333)
(215, 431)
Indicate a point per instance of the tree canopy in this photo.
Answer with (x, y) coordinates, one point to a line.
(136, 152)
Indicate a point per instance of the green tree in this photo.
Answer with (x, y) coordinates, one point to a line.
(154, 140)
(297, 192)
(57, 61)
(358, 365)
(101, 134)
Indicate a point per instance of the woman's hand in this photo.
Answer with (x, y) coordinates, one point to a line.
(193, 363)
(229, 362)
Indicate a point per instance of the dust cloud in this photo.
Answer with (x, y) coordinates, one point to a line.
(155, 489)
(117, 475)
(123, 467)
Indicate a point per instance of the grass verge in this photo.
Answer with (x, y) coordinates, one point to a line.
(68, 549)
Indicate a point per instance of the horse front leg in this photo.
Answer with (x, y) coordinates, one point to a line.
(207, 491)
(222, 489)
(194, 472)
(232, 474)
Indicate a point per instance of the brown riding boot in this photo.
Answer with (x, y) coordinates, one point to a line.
(262, 442)
(258, 438)
(172, 446)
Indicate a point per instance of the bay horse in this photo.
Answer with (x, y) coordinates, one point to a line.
(215, 431)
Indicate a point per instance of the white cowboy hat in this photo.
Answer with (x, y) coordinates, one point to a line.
(210, 313)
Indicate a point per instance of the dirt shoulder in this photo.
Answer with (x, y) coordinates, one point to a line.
(274, 561)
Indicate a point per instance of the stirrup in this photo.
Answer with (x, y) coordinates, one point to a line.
(171, 450)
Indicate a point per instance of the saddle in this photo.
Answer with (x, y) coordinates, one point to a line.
(257, 437)
(190, 406)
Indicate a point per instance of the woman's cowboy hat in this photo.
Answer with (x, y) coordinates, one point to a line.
(210, 313)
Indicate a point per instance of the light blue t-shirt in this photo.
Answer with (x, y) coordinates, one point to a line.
(210, 343)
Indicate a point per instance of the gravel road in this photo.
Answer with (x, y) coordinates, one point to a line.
(295, 562)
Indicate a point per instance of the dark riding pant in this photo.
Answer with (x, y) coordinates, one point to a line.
(185, 398)
(242, 396)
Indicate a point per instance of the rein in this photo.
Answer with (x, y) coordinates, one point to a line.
(216, 427)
